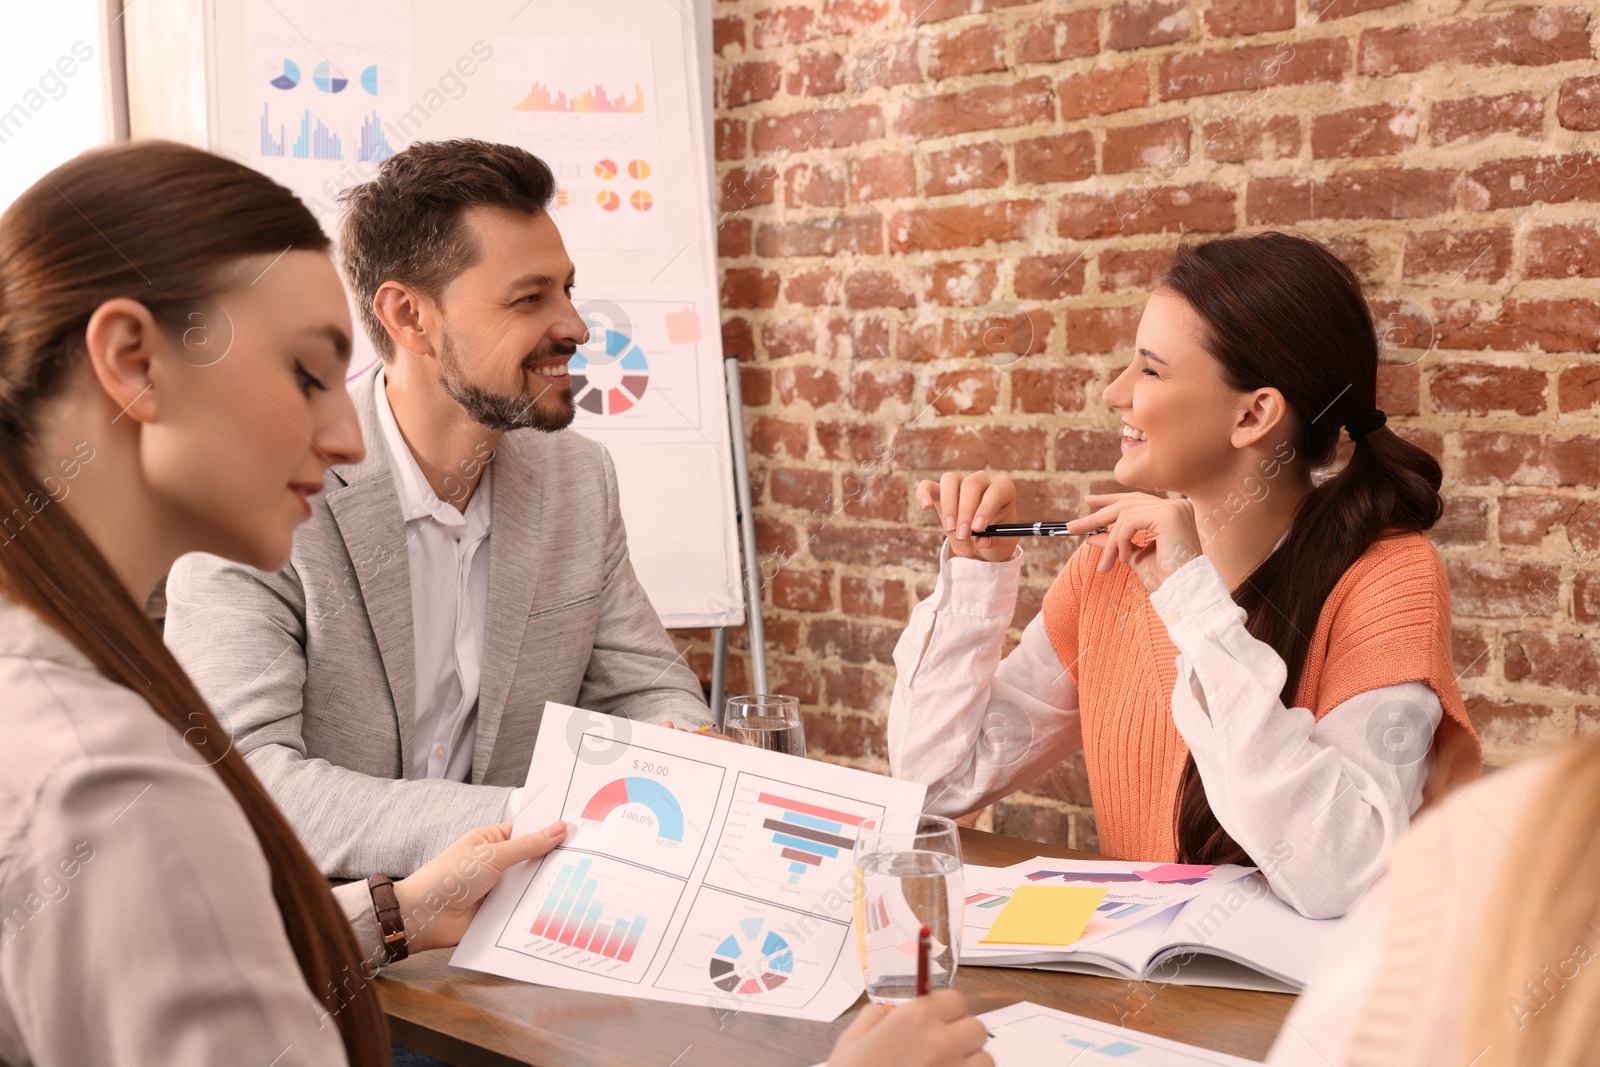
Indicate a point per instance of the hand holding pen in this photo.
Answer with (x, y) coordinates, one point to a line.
(979, 515)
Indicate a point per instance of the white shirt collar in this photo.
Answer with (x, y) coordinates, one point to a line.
(417, 498)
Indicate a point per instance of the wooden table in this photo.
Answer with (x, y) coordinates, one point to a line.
(475, 1020)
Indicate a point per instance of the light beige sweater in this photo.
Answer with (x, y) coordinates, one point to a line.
(137, 923)
(1392, 989)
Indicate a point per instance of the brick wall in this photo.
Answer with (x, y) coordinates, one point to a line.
(940, 221)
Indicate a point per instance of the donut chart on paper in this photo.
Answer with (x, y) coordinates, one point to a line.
(753, 960)
(644, 791)
(598, 389)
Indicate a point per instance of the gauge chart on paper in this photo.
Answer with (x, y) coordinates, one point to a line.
(640, 368)
(644, 806)
(793, 844)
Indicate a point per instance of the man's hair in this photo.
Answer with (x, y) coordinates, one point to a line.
(406, 224)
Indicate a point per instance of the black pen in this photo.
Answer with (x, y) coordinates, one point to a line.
(1033, 529)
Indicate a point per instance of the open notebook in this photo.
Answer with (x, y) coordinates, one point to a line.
(1218, 926)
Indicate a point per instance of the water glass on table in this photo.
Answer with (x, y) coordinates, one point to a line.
(907, 877)
(766, 720)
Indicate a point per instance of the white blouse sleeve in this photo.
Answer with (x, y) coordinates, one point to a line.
(1323, 797)
(970, 725)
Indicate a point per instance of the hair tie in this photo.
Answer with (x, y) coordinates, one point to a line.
(1359, 428)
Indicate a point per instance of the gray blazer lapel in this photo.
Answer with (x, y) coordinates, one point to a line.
(366, 509)
(514, 538)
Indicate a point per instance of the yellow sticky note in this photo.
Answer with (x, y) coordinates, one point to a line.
(1045, 915)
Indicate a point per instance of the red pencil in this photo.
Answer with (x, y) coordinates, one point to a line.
(924, 946)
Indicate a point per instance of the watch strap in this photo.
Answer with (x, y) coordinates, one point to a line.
(391, 924)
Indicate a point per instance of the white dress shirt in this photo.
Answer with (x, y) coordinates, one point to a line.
(447, 552)
(1320, 796)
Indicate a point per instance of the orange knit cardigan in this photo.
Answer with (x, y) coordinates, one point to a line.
(1386, 622)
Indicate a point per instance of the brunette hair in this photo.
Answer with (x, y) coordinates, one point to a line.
(166, 225)
(405, 225)
(1282, 312)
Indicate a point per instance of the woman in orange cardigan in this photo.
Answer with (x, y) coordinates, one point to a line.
(1256, 661)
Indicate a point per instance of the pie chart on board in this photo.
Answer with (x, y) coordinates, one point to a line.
(754, 960)
(612, 382)
(285, 77)
(605, 170)
(607, 200)
(638, 169)
(324, 77)
(640, 200)
(377, 80)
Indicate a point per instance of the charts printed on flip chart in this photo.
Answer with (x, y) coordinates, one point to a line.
(643, 366)
(694, 871)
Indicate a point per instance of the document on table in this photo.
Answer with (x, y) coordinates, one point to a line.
(1027, 1034)
(695, 871)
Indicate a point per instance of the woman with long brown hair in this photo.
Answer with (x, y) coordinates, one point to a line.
(1256, 659)
(173, 345)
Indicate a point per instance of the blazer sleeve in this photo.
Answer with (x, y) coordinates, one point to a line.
(634, 669)
(241, 634)
(150, 933)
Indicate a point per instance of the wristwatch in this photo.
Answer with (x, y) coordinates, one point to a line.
(391, 924)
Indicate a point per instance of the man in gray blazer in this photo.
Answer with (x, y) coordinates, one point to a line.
(387, 685)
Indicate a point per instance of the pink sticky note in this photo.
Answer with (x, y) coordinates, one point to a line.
(683, 327)
(1176, 872)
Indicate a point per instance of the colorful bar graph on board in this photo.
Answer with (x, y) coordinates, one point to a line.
(593, 100)
(572, 914)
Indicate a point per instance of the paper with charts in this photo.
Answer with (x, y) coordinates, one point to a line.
(645, 366)
(696, 871)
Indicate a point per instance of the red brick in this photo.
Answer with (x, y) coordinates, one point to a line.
(812, 288)
(1070, 34)
(1526, 325)
(769, 436)
(1064, 157)
(738, 339)
(875, 498)
(1570, 250)
(984, 336)
(1003, 448)
(1375, 130)
(733, 237)
(1579, 388)
(1526, 519)
(885, 64)
(1477, 117)
(964, 392)
(799, 488)
(1149, 209)
(1465, 521)
(775, 538)
(1487, 589)
(776, 27)
(1356, 254)
(755, 386)
(816, 74)
(788, 337)
(986, 107)
(1586, 596)
(848, 16)
(1102, 329)
(744, 187)
(978, 50)
(874, 388)
(1390, 193)
(1147, 24)
(1479, 388)
(819, 185)
(973, 166)
(1578, 107)
(747, 287)
(849, 440)
(874, 597)
(1235, 140)
(1049, 277)
(812, 385)
(1532, 180)
(821, 128)
(1185, 74)
(1583, 530)
(1528, 459)
(1509, 721)
(847, 736)
(1532, 37)
(965, 284)
(1233, 18)
(726, 33)
(928, 229)
(1556, 661)
(799, 590)
(749, 82)
(1032, 822)
(852, 640)
(1102, 92)
(1158, 146)
(1132, 268)
(1049, 390)
(1325, 10)
(1457, 255)
(1399, 389)
(860, 689)
(869, 337)
(1082, 451)
(829, 236)
(885, 177)
(922, 12)
(730, 137)
(876, 289)
(1050, 496)
(1470, 651)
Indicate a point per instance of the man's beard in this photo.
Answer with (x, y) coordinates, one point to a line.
(501, 413)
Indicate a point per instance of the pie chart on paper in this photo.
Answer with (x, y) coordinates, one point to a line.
(287, 76)
(326, 78)
(612, 383)
(753, 960)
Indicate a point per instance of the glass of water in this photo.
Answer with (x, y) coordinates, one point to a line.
(766, 720)
(907, 876)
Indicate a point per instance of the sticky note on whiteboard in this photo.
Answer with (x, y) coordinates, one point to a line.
(683, 327)
(1045, 915)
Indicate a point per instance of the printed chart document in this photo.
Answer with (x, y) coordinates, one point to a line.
(695, 870)
(1027, 1034)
